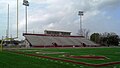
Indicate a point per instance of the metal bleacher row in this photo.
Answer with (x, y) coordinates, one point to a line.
(36, 40)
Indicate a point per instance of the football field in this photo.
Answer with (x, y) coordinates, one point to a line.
(61, 58)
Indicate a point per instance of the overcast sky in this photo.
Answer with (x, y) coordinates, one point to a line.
(99, 16)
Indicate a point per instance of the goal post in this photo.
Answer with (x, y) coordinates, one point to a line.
(1, 44)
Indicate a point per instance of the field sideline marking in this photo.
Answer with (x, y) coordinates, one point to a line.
(71, 61)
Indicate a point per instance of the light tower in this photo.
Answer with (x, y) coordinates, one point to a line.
(26, 3)
(8, 15)
(81, 13)
(17, 18)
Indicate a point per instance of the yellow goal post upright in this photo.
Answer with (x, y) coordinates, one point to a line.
(1, 44)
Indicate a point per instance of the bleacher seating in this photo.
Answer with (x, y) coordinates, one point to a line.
(63, 41)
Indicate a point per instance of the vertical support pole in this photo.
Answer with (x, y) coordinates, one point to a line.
(81, 30)
(17, 18)
(8, 23)
(26, 17)
(81, 14)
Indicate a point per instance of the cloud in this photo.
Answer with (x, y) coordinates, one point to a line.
(63, 14)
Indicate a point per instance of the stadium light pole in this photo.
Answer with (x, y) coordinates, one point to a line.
(17, 18)
(8, 23)
(26, 3)
(81, 13)
(7, 30)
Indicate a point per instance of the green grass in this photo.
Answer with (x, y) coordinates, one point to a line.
(112, 53)
(12, 60)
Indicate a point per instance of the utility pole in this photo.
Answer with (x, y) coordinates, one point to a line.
(26, 3)
(81, 14)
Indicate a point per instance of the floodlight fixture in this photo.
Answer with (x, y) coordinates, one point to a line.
(25, 2)
(81, 13)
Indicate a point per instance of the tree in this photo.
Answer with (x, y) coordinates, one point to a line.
(106, 39)
(85, 33)
(113, 40)
(95, 37)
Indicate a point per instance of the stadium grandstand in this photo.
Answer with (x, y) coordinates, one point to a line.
(56, 39)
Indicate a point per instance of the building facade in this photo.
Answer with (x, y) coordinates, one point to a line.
(57, 33)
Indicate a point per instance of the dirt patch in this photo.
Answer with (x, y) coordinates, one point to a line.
(29, 50)
(50, 52)
(89, 57)
(117, 52)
